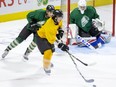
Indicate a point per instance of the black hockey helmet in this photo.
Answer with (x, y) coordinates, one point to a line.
(57, 13)
(50, 8)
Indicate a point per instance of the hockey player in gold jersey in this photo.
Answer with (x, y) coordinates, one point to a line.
(47, 35)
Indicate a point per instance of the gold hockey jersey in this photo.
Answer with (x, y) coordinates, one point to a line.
(49, 30)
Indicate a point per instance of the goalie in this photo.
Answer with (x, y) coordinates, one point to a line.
(86, 27)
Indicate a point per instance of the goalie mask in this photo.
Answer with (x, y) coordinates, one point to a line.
(82, 6)
(57, 16)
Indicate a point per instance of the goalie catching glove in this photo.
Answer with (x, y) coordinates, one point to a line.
(63, 47)
(60, 34)
(98, 23)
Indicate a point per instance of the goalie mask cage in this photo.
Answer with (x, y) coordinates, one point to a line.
(105, 9)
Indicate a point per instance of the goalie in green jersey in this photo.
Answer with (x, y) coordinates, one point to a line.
(88, 23)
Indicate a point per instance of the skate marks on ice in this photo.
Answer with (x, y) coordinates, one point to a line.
(11, 71)
(7, 36)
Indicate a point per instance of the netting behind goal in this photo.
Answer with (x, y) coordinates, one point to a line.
(104, 8)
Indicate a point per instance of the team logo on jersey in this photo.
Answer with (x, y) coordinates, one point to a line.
(84, 20)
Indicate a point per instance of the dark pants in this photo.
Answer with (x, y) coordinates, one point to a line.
(82, 33)
(94, 32)
(43, 44)
(24, 34)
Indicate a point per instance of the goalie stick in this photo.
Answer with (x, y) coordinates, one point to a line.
(86, 80)
(81, 40)
(85, 42)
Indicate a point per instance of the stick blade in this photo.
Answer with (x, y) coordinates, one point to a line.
(90, 80)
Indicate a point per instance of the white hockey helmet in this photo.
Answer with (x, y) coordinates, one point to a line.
(82, 5)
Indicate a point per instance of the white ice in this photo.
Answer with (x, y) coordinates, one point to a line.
(16, 73)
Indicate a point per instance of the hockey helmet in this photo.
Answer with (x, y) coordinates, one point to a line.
(50, 8)
(57, 13)
(82, 6)
(82, 3)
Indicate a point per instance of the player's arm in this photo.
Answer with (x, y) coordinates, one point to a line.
(60, 32)
(31, 17)
(32, 21)
(95, 13)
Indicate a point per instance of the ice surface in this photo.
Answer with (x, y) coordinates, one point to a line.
(16, 73)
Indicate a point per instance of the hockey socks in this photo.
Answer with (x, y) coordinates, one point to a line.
(47, 61)
(31, 46)
(12, 45)
(29, 50)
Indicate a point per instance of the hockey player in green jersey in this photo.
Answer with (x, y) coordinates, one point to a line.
(35, 20)
(82, 17)
(88, 22)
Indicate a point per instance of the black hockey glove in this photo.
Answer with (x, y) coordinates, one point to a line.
(63, 47)
(34, 26)
(32, 21)
(60, 34)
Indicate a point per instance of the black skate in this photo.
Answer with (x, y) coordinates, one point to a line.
(25, 56)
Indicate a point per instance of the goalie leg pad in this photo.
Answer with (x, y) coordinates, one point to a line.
(106, 36)
(73, 30)
(97, 43)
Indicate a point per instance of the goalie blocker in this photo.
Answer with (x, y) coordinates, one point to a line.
(90, 42)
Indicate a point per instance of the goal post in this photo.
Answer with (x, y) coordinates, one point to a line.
(114, 18)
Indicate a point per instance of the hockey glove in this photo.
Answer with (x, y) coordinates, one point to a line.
(63, 47)
(60, 34)
(34, 26)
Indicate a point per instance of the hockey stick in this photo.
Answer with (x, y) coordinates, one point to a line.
(80, 60)
(76, 57)
(86, 80)
(82, 40)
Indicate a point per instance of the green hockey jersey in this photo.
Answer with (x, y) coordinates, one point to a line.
(83, 21)
(38, 16)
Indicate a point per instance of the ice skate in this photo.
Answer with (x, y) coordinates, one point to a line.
(25, 56)
(5, 54)
(47, 71)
